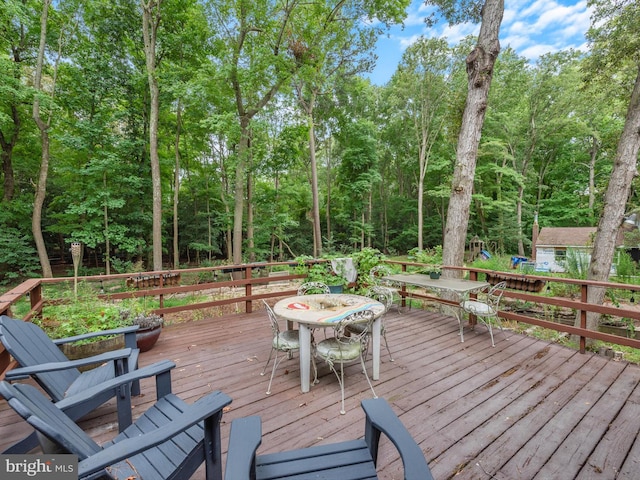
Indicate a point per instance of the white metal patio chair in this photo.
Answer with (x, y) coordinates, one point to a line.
(346, 347)
(485, 308)
(308, 288)
(383, 295)
(376, 279)
(286, 341)
(377, 273)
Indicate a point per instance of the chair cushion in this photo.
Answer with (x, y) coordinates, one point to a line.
(287, 340)
(333, 350)
(477, 308)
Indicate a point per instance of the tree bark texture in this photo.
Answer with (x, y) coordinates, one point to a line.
(238, 211)
(176, 186)
(480, 64)
(41, 186)
(624, 171)
(150, 22)
(315, 211)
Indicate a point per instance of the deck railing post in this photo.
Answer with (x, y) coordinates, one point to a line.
(35, 297)
(161, 296)
(247, 289)
(583, 317)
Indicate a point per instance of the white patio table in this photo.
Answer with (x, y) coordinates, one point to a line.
(460, 286)
(324, 310)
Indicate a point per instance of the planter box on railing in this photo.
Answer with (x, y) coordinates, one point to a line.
(144, 281)
(517, 283)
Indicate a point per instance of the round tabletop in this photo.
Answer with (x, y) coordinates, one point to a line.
(326, 308)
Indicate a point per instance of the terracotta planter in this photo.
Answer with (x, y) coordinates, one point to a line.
(147, 338)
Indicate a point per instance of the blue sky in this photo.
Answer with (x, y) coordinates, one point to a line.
(531, 27)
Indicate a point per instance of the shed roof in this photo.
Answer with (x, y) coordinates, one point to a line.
(570, 237)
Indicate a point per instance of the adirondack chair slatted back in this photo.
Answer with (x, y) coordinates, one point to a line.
(169, 441)
(30, 345)
(351, 459)
(44, 416)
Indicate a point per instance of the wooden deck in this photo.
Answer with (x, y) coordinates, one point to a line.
(522, 410)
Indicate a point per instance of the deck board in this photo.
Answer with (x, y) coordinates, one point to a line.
(523, 409)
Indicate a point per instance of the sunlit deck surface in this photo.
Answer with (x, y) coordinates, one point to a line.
(524, 409)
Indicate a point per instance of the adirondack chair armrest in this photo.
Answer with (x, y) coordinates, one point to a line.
(126, 331)
(161, 370)
(380, 418)
(206, 407)
(244, 439)
(24, 372)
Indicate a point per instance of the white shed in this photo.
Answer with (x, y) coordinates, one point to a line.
(553, 243)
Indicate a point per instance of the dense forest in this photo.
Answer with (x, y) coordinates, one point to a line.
(233, 130)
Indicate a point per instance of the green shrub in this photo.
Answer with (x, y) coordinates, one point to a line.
(626, 268)
(500, 263)
(18, 259)
(430, 256)
(576, 264)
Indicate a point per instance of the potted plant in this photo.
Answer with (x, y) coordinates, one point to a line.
(323, 272)
(81, 317)
(89, 314)
(150, 327)
(435, 273)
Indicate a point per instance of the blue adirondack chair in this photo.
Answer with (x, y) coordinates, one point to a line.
(169, 441)
(40, 357)
(354, 459)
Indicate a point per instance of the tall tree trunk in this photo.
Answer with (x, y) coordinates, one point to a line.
(238, 210)
(308, 105)
(150, 23)
(328, 203)
(592, 174)
(228, 235)
(107, 240)
(421, 208)
(362, 227)
(422, 129)
(41, 186)
(176, 187)
(315, 210)
(480, 64)
(250, 235)
(369, 217)
(615, 201)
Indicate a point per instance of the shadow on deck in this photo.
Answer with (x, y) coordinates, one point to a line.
(524, 409)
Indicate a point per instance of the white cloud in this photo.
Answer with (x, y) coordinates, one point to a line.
(407, 41)
(531, 27)
(455, 33)
(514, 41)
(536, 51)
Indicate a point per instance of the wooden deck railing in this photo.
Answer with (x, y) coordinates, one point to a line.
(580, 306)
(243, 278)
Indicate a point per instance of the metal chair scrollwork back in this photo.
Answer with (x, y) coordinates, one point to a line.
(308, 288)
(346, 346)
(383, 295)
(485, 308)
(286, 341)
